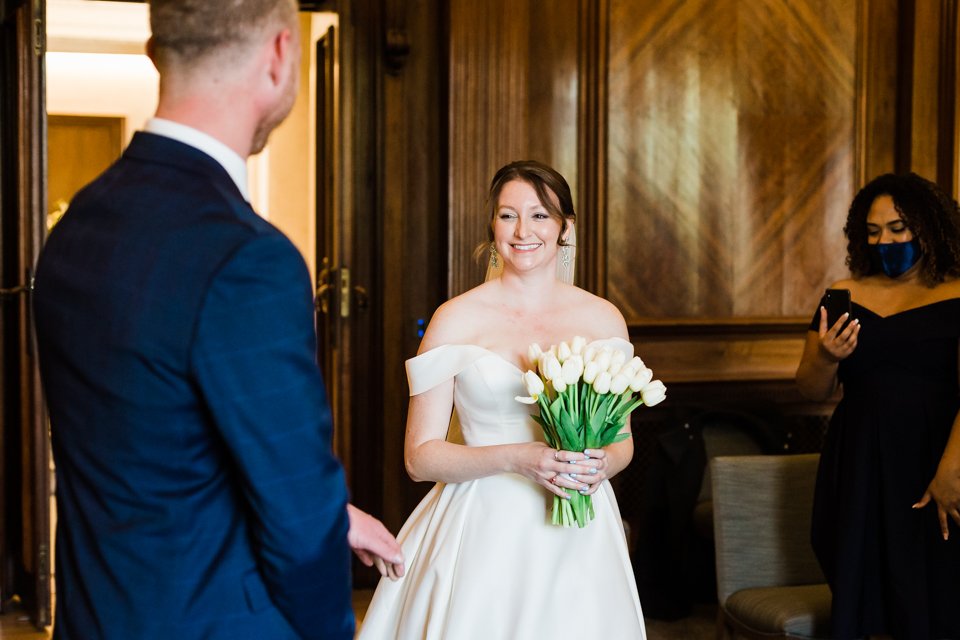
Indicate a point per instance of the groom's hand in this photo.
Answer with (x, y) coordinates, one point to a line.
(373, 544)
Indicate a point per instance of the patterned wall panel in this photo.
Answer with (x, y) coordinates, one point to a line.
(730, 159)
(513, 95)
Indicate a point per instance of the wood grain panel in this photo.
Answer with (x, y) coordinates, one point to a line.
(513, 95)
(925, 104)
(80, 149)
(745, 358)
(877, 64)
(730, 155)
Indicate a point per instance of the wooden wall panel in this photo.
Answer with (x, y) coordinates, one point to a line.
(82, 147)
(730, 162)
(513, 95)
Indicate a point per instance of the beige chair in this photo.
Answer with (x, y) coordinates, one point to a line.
(769, 584)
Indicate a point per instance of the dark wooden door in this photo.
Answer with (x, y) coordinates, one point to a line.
(349, 246)
(24, 443)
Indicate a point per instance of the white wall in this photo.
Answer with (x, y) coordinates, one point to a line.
(102, 84)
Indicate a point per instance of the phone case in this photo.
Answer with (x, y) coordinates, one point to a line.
(837, 303)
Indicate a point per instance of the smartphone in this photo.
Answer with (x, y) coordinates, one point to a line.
(837, 303)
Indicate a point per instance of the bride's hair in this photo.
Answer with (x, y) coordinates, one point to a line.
(544, 180)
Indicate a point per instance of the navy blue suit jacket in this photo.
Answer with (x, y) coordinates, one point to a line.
(197, 493)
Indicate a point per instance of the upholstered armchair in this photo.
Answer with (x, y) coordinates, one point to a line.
(769, 584)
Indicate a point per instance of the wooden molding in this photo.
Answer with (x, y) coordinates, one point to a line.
(876, 90)
(947, 111)
(592, 144)
(705, 327)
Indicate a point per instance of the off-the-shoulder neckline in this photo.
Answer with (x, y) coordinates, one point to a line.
(903, 311)
(501, 357)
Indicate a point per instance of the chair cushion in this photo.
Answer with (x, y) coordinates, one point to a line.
(802, 611)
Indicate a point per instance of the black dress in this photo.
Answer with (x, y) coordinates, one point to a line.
(889, 569)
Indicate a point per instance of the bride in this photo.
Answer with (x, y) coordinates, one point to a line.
(483, 559)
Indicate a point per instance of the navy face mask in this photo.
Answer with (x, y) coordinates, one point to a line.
(896, 258)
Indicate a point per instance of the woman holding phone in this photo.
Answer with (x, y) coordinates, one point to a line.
(886, 521)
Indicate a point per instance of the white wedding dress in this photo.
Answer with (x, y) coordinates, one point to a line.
(483, 560)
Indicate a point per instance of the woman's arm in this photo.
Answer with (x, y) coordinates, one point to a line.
(944, 489)
(429, 457)
(822, 353)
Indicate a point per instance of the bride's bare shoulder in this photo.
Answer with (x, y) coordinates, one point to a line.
(455, 321)
(604, 318)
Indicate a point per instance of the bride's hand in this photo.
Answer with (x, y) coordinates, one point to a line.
(588, 482)
(552, 469)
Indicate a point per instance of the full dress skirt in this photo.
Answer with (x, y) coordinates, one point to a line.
(483, 560)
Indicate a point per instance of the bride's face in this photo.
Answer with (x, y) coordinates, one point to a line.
(524, 231)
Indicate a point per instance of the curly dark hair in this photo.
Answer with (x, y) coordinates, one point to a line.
(931, 215)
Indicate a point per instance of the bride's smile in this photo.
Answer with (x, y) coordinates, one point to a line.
(524, 231)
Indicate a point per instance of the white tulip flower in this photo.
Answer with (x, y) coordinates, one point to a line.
(533, 354)
(590, 372)
(653, 393)
(641, 379)
(558, 384)
(551, 367)
(534, 386)
(542, 363)
(630, 368)
(604, 357)
(617, 359)
(533, 383)
(619, 384)
(572, 369)
(578, 344)
(589, 355)
(563, 352)
(602, 384)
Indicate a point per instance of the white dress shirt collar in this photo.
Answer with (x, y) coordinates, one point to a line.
(230, 160)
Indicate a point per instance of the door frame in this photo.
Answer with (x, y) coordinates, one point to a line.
(24, 438)
(349, 234)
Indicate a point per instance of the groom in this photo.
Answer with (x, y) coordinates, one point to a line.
(197, 494)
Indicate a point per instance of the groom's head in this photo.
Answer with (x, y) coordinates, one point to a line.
(203, 34)
(248, 48)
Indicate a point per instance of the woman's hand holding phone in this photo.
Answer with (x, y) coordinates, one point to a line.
(838, 333)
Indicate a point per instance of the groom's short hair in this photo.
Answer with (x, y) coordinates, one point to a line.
(187, 32)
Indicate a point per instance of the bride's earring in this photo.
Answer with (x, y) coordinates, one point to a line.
(565, 256)
(494, 261)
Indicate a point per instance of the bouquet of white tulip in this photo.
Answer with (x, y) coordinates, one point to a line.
(585, 395)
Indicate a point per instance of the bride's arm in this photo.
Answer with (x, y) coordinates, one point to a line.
(429, 457)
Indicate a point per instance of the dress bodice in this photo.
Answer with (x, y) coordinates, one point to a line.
(916, 347)
(485, 389)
